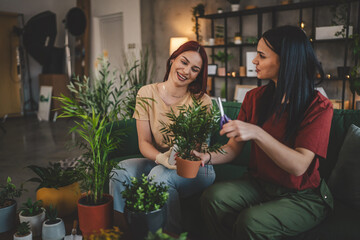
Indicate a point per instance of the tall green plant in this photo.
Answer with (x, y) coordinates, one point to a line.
(9, 192)
(190, 128)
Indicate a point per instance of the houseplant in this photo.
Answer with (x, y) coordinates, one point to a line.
(144, 205)
(94, 111)
(57, 186)
(189, 130)
(23, 232)
(160, 235)
(222, 58)
(53, 227)
(197, 11)
(355, 72)
(8, 204)
(33, 213)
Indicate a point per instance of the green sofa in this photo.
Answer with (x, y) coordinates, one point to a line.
(343, 223)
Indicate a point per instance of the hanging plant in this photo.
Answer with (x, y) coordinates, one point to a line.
(197, 11)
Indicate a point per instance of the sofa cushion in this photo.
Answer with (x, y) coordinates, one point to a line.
(344, 180)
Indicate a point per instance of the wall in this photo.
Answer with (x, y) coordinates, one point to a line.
(176, 21)
(30, 9)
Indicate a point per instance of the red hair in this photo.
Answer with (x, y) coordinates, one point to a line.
(199, 85)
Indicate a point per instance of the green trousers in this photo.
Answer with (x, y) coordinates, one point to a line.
(253, 209)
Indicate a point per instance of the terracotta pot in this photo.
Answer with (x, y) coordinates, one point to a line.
(186, 168)
(92, 218)
(64, 198)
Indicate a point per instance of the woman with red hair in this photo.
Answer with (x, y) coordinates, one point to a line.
(185, 77)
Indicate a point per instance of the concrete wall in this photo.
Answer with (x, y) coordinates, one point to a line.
(173, 18)
(30, 9)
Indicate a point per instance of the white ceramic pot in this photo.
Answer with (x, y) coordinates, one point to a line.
(235, 7)
(27, 237)
(35, 222)
(54, 231)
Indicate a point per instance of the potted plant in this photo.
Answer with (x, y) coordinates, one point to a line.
(355, 72)
(8, 204)
(235, 5)
(222, 58)
(53, 227)
(23, 232)
(160, 235)
(33, 213)
(144, 205)
(95, 111)
(57, 186)
(188, 131)
(197, 11)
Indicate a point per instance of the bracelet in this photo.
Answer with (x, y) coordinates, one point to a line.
(208, 162)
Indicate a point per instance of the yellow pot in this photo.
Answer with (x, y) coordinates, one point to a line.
(64, 198)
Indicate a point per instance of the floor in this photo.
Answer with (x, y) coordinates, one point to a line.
(27, 141)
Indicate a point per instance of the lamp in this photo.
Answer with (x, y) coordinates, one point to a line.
(176, 42)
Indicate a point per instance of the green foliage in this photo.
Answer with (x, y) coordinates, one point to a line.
(221, 57)
(53, 176)
(339, 14)
(160, 235)
(144, 195)
(51, 214)
(23, 229)
(355, 72)
(190, 129)
(9, 191)
(197, 11)
(30, 208)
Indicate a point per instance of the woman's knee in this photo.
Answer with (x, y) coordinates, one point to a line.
(248, 225)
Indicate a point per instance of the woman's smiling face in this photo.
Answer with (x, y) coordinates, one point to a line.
(267, 62)
(185, 68)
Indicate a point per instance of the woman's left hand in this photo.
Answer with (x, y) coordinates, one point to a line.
(240, 131)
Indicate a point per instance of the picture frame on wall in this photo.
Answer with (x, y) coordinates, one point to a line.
(212, 69)
(241, 90)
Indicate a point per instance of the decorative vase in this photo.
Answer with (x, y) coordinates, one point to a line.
(7, 217)
(95, 217)
(27, 237)
(186, 168)
(141, 223)
(235, 7)
(34, 221)
(64, 198)
(53, 231)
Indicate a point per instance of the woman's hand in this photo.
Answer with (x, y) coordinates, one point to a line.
(163, 159)
(240, 131)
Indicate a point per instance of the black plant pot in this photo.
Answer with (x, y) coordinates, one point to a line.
(141, 223)
(343, 71)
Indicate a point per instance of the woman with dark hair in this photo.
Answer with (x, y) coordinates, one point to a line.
(185, 78)
(288, 123)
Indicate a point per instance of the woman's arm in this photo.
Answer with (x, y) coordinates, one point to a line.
(146, 146)
(294, 161)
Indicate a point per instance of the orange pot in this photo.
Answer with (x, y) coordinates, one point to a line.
(92, 218)
(186, 168)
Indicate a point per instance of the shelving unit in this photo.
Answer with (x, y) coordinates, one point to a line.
(314, 6)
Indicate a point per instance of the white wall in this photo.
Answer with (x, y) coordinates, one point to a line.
(31, 8)
(130, 10)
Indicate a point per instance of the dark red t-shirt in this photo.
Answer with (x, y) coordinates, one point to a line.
(313, 134)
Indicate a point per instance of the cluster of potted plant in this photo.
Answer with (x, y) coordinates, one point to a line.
(8, 194)
(34, 213)
(189, 130)
(145, 205)
(57, 186)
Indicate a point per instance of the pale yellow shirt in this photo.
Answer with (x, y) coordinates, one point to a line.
(156, 110)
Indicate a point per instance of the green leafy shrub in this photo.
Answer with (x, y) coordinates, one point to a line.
(30, 208)
(190, 129)
(23, 229)
(53, 176)
(144, 195)
(160, 235)
(9, 192)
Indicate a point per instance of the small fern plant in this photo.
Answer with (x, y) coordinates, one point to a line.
(30, 208)
(23, 229)
(51, 215)
(145, 195)
(190, 128)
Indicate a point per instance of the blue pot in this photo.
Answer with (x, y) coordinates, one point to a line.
(7, 217)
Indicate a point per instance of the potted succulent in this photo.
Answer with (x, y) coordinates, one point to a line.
(33, 213)
(95, 111)
(160, 235)
(57, 186)
(53, 228)
(145, 205)
(23, 232)
(8, 204)
(235, 5)
(189, 130)
(222, 58)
